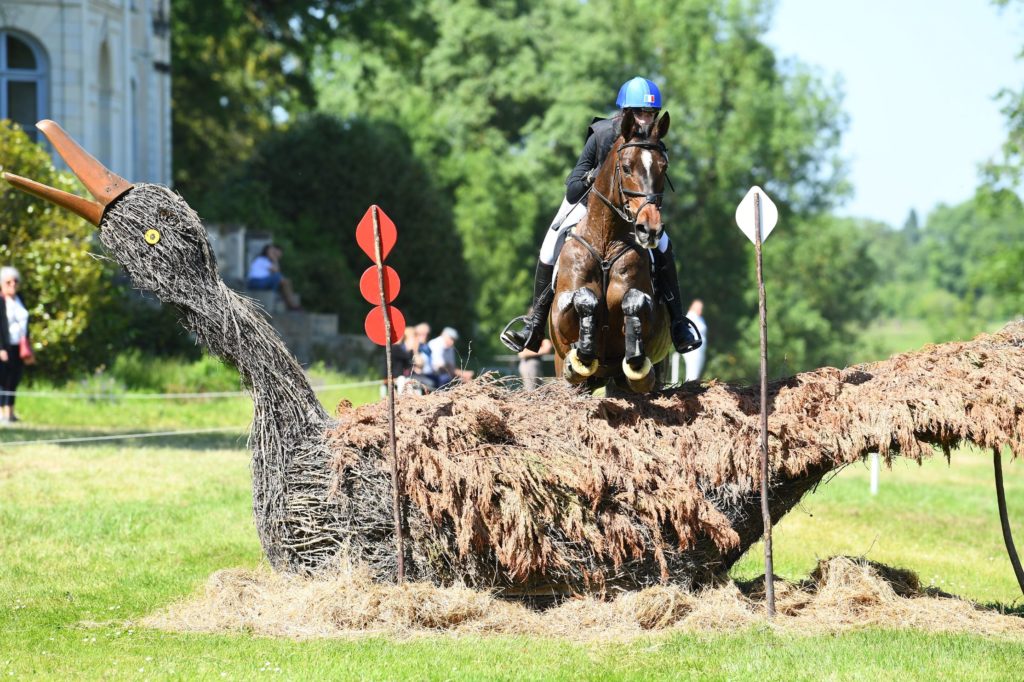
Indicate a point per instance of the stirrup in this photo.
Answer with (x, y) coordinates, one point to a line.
(696, 343)
(506, 335)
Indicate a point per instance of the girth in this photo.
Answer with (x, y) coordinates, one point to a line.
(606, 265)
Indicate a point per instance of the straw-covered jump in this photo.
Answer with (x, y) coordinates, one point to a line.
(629, 492)
(594, 493)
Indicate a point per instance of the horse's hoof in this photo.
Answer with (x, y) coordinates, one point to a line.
(637, 374)
(578, 366)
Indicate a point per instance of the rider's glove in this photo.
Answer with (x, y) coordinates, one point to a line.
(590, 176)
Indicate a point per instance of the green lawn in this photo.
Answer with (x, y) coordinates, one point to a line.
(93, 537)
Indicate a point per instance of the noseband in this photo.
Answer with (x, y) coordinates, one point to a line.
(649, 197)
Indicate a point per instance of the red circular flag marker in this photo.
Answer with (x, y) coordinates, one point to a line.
(388, 233)
(370, 288)
(374, 325)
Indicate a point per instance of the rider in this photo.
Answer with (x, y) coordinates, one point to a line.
(644, 98)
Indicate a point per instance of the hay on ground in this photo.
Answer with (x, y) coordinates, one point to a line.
(842, 594)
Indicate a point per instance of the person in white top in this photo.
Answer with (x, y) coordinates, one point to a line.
(695, 358)
(265, 274)
(13, 336)
(442, 358)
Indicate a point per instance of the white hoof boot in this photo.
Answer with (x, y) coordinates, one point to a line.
(578, 366)
(637, 374)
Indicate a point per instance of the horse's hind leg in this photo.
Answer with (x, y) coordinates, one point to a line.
(636, 366)
(581, 362)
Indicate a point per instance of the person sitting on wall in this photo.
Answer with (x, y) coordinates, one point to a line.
(265, 275)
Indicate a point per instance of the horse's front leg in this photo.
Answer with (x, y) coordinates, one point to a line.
(581, 362)
(636, 366)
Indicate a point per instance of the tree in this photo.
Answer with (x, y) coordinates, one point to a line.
(310, 184)
(499, 94)
(241, 68)
(63, 285)
(822, 294)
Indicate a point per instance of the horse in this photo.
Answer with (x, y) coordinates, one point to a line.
(606, 323)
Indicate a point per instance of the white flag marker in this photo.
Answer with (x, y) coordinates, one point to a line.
(745, 214)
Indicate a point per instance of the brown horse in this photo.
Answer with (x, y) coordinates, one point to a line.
(606, 323)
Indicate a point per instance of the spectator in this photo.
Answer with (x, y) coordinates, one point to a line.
(403, 353)
(265, 275)
(442, 358)
(15, 349)
(419, 380)
(695, 358)
(423, 338)
(531, 368)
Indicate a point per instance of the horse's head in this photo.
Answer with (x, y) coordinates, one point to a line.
(641, 167)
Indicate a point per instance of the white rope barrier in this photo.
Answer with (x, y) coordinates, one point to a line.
(171, 396)
(151, 396)
(121, 436)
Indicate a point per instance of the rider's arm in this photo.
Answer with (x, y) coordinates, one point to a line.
(576, 184)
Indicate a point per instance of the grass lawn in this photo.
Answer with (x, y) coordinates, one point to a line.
(94, 536)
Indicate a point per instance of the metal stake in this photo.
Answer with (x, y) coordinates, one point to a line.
(395, 478)
(769, 577)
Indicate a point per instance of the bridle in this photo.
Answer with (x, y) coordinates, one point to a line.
(654, 198)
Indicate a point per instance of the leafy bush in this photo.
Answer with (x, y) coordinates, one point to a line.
(62, 284)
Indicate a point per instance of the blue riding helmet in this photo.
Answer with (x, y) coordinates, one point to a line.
(638, 93)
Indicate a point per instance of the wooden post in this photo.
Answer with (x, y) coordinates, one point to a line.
(1004, 519)
(769, 576)
(395, 477)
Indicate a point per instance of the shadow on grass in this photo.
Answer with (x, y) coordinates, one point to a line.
(11, 436)
(1016, 608)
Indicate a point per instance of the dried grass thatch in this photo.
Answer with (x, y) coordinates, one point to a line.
(842, 594)
(555, 491)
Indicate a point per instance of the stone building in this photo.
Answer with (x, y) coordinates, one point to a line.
(100, 68)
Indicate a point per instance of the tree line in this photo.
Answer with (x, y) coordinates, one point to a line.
(462, 118)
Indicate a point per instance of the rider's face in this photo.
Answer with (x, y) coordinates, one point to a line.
(645, 117)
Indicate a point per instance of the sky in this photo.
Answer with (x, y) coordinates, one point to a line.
(919, 78)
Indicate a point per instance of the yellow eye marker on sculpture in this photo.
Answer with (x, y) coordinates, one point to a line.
(152, 236)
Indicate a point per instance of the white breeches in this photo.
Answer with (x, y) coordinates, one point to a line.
(569, 215)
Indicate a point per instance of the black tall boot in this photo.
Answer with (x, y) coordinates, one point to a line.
(685, 336)
(532, 333)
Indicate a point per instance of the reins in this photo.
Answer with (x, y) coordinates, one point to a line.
(622, 212)
(649, 197)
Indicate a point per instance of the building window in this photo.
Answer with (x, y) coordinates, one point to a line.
(22, 81)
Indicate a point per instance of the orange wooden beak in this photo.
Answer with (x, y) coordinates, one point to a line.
(101, 183)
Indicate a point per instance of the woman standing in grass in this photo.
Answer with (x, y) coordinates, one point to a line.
(15, 350)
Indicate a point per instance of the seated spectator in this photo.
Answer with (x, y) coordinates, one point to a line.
(403, 352)
(419, 381)
(442, 358)
(408, 365)
(265, 275)
(423, 338)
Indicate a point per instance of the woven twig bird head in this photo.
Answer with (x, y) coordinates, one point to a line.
(149, 229)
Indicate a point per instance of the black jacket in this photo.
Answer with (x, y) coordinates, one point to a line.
(601, 135)
(5, 339)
